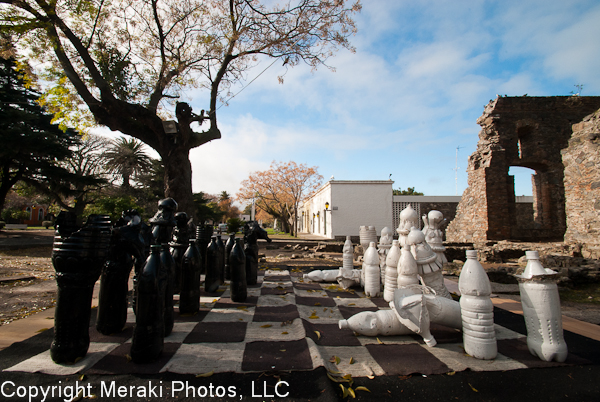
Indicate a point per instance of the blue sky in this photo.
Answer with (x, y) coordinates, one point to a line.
(409, 96)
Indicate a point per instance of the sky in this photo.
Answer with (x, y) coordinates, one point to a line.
(406, 102)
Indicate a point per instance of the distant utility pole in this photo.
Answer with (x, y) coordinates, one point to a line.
(456, 170)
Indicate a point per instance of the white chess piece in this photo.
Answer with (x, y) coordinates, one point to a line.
(477, 310)
(541, 308)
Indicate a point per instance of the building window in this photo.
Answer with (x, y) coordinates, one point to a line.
(28, 210)
(41, 214)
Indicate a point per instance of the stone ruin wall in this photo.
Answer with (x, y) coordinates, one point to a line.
(448, 209)
(582, 186)
(519, 131)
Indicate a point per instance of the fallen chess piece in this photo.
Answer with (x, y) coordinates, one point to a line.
(326, 275)
(373, 323)
(348, 279)
(417, 310)
(412, 311)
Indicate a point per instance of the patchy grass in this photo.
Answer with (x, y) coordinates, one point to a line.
(275, 234)
(589, 293)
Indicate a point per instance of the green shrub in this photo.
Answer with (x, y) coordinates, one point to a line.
(14, 215)
(2, 224)
(234, 225)
(113, 206)
(47, 224)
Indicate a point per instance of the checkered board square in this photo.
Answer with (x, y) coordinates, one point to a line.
(288, 324)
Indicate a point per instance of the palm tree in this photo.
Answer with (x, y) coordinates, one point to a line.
(127, 158)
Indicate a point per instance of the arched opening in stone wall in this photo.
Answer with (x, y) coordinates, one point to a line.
(521, 203)
(522, 179)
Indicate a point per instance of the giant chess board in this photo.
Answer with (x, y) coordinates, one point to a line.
(288, 324)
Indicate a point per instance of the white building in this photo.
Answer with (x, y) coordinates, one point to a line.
(340, 207)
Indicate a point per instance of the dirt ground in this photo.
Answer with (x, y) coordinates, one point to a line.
(27, 282)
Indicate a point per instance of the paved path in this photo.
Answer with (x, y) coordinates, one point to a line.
(26, 338)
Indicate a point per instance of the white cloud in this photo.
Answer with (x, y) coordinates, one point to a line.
(410, 95)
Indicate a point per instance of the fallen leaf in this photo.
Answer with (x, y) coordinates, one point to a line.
(128, 357)
(282, 350)
(371, 377)
(335, 359)
(361, 388)
(379, 341)
(284, 333)
(472, 387)
(352, 360)
(214, 301)
(82, 377)
(325, 309)
(211, 372)
(351, 304)
(344, 391)
(266, 326)
(335, 379)
(313, 316)
(351, 392)
(242, 307)
(334, 372)
(318, 334)
(79, 396)
(42, 330)
(451, 373)
(317, 304)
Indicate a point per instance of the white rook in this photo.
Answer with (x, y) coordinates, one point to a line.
(541, 308)
(477, 310)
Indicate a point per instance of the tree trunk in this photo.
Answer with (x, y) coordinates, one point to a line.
(178, 178)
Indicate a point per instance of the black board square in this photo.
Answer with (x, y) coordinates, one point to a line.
(279, 290)
(330, 334)
(217, 332)
(517, 350)
(116, 362)
(288, 312)
(348, 312)
(272, 355)
(406, 359)
(315, 301)
(226, 302)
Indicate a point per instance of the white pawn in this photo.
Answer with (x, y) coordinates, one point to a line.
(391, 272)
(372, 277)
(385, 244)
(477, 310)
(347, 256)
(408, 273)
(541, 308)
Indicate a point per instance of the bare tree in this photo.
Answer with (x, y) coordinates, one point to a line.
(129, 59)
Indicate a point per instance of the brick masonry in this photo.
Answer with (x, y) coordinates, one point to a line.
(519, 131)
(582, 185)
